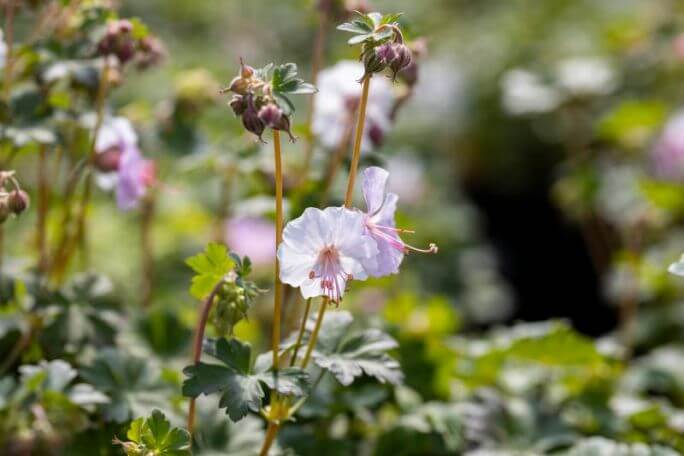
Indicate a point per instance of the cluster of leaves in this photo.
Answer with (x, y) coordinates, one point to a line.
(154, 435)
(367, 28)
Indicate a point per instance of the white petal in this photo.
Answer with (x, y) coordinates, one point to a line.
(677, 268)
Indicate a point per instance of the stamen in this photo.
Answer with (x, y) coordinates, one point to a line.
(431, 249)
(395, 229)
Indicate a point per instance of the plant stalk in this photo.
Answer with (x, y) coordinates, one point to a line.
(314, 335)
(302, 328)
(197, 345)
(271, 432)
(357, 141)
(278, 291)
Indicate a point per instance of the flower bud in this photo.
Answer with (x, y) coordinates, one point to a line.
(238, 104)
(108, 161)
(270, 114)
(18, 201)
(401, 60)
(251, 121)
(373, 63)
(246, 71)
(238, 85)
(386, 53)
(151, 53)
(284, 125)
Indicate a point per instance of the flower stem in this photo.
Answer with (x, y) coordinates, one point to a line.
(314, 334)
(302, 327)
(271, 432)
(147, 250)
(357, 141)
(41, 220)
(87, 189)
(9, 41)
(278, 292)
(197, 346)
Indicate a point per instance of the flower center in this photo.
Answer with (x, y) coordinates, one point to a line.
(328, 269)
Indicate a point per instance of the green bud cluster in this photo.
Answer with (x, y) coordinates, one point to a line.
(233, 302)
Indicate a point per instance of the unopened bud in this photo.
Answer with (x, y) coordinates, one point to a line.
(270, 114)
(124, 26)
(246, 71)
(402, 59)
(386, 53)
(239, 85)
(238, 104)
(18, 201)
(108, 161)
(252, 123)
(373, 63)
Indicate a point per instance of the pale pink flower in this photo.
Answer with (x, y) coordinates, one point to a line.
(668, 153)
(136, 175)
(379, 223)
(253, 237)
(324, 249)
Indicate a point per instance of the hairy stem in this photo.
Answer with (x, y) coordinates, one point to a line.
(302, 328)
(278, 292)
(197, 345)
(356, 155)
(271, 432)
(314, 334)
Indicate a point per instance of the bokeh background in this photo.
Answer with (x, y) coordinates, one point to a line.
(539, 149)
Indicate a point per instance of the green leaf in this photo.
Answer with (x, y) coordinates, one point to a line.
(355, 26)
(284, 103)
(351, 354)
(359, 38)
(211, 266)
(241, 389)
(391, 18)
(599, 446)
(155, 436)
(133, 384)
(285, 81)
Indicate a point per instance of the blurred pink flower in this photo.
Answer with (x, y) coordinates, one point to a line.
(135, 175)
(253, 237)
(678, 46)
(324, 249)
(337, 100)
(668, 153)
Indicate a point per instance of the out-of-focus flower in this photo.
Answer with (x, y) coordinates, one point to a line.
(586, 76)
(379, 223)
(338, 99)
(3, 50)
(115, 136)
(677, 268)
(668, 153)
(678, 46)
(408, 178)
(253, 237)
(136, 175)
(324, 249)
(525, 93)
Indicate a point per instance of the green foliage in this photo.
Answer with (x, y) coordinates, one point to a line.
(155, 436)
(210, 266)
(366, 28)
(241, 387)
(133, 384)
(349, 354)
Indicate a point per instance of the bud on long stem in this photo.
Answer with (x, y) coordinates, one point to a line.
(357, 141)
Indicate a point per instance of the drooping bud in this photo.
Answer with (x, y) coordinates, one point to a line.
(402, 58)
(151, 53)
(284, 125)
(386, 53)
(238, 104)
(18, 201)
(270, 114)
(108, 161)
(250, 119)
